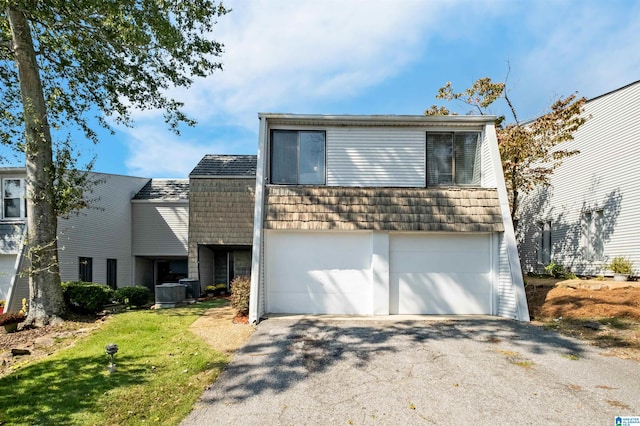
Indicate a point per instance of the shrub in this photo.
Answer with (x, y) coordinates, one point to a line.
(555, 270)
(136, 295)
(86, 298)
(240, 291)
(621, 265)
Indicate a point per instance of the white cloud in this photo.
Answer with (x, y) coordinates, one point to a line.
(587, 47)
(285, 54)
(154, 152)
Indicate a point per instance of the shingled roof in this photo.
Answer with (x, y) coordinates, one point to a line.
(225, 166)
(389, 209)
(164, 189)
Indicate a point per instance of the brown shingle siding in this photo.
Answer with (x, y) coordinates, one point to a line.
(390, 209)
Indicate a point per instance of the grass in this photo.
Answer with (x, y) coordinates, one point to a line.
(161, 370)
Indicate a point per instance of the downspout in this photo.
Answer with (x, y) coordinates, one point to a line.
(509, 233)
(256, 252)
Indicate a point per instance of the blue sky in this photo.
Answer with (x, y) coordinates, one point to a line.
(378, 57)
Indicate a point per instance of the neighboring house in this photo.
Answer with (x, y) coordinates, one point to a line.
(94, 244)
(221, 218)
(588, 214)
(379, 215)
(160, 232)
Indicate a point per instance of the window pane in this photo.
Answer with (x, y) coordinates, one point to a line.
(311, 158)
(12, 195)
(467, 159)
(85, 269)
(11, 207)
(439, 158)
(12, 188)
(284, 157)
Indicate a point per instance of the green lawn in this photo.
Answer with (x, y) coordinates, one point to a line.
(162, 369)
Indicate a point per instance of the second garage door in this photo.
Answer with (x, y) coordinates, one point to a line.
(440, 274)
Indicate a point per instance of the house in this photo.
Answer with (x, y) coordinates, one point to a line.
(221, 218)
(160, 232)
(380, 215)
(133, 232)
(588, 214)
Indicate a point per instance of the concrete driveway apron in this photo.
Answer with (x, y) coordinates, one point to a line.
(321, 371)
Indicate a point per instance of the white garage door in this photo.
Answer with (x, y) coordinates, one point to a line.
(318, 273)
(440, 274)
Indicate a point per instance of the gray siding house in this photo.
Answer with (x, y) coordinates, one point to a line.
(93, 245)
(380, 215)
(133, 233)
(588, 214)
(221, 218)
(160, 231)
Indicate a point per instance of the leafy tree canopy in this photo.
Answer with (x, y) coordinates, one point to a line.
(528, 150)
(64, 63)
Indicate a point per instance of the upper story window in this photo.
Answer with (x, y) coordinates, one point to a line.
(453, 158)
(14, 203)
(297, 157)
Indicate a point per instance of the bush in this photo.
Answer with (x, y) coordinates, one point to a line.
(136, 295)
(621, 265)
(86, 298)
(555, 270)
(240, 291)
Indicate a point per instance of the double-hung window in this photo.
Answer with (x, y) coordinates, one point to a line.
(297, 157)
(14, 205)
(453, 158)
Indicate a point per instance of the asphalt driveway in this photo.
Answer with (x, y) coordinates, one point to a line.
(358, 371)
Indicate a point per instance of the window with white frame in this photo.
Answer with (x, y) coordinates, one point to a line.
(14, 203)
(544, 242)
(297, 157)
(453, 158)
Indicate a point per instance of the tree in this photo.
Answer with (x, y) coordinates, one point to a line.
(527, 150)
(71, 64)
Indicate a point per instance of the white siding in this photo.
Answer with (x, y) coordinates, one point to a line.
(7, 270)
(102, 231)
(488, 177)
(507, 301)
(160, 228)
(387, 157)
(604, 176)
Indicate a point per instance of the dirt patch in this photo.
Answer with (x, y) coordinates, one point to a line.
(39, 342)
(218, 328)
(605, 313)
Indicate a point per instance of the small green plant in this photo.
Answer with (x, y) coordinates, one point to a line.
(555, 270)
(136, 295)
(86, 298)
(621, 265)
(240, 291)
(570, 275)
(2, 303)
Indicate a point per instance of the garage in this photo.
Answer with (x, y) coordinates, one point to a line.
(318, 272)
(440, 274)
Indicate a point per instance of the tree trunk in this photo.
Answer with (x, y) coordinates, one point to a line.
(46, 302)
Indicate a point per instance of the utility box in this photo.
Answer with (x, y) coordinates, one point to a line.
(192, 286)
(170, 294)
